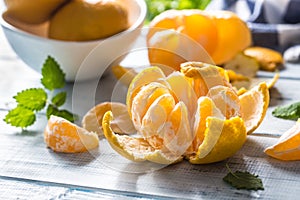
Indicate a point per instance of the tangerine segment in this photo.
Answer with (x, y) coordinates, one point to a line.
(183, 90)
(288, 145)
(135, 149)
(156, 116)
(145, 77)
(92, 120)
(63, 136)
(254, 104)
(177, 135)
(222, 139)
(143, 100)
(205, 108)
(226, 100)
(233, 36)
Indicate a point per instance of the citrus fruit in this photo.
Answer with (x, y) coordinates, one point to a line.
(219, 34)
(233, 36)
(193, 114)
(63, 136)
(254, 104)
(92, 120)
(82, 20)
(32, 12)
(268, 59)
(288, 145)
(177, 36)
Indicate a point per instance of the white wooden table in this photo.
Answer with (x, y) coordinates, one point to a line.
(28, 170)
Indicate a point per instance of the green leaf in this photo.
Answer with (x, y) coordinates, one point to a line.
(52, 110)
(291, 111)
(244, 180)
(67, 115)
(59, 99)
(33, 99)
(20, 117)
(53, 76)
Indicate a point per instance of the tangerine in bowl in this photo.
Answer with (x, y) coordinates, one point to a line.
(85, 49)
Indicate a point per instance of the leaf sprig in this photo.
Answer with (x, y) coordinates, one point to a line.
(291, 111)
(33, 100)
(243, 180)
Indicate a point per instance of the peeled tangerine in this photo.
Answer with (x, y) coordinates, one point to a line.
(288, 145)
(193, 114)
(63, 136)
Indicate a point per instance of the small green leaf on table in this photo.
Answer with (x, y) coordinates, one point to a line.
(244, 180)
(291, 111)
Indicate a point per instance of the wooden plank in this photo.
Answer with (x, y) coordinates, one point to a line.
(26, 157)
(11, 188)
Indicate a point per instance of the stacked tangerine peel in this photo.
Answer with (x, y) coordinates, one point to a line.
(193, 114)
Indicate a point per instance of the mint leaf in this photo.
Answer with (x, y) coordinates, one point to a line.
(67, 115)
(20, 117)
(59, 99)
(53, 76)
(52, 110)
(33, 99)
(291, 111)
(244, 180)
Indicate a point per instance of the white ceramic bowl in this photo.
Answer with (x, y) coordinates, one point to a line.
(79, 60)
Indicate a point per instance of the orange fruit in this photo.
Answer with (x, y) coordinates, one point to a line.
(221, 34)
(92, 120)
(233, 36)
(32, 12)
(190, 27)
(268, 59)
(63, 136)
(82, 20)
(288, 145)
(173, 122)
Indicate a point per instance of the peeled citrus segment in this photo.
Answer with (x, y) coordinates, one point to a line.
(177, 135)
(157, 115)
(226, 100)
(135, 149)
(63, 136)
(288, 145)
(143, 100)
(145, 77)
(205, 108)
(92, 120)
(254, 104)
(183, 90)
(222, 139)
